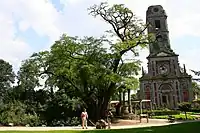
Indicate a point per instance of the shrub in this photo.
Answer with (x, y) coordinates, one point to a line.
(195, 110)
(160, 117)
(185, 107)
(182, 117)
(162, 112)
(31, 120)
(15, 113)
(177, 117)
(74, 121)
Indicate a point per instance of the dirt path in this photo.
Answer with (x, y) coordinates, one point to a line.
(153, 122)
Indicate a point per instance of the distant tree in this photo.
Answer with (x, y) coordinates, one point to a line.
(197, 73)
(7, 78)
(27, 80)
(196, 88)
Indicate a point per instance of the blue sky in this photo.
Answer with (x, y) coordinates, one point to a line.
(29, 26)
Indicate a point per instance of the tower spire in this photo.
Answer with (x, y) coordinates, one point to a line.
(157, 19)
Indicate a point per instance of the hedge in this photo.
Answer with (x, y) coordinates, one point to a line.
(162, 112)
(177, 117)
(196, 110)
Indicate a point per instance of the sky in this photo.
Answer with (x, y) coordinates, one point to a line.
(28, 26)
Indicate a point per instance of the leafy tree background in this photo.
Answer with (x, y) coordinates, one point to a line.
(77, 73)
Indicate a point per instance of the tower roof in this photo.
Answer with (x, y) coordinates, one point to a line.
(155, 10)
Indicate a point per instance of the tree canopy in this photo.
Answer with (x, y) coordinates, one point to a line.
(81, 72)
(7, 78)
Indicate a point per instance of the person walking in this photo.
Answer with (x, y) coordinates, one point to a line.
(84, 117)
(109, 116)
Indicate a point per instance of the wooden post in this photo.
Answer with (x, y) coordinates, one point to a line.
(120, 102)
(123, 107)
(140, 107)
(150, 105)
(140, 111)
(124, 94)
(129, 101)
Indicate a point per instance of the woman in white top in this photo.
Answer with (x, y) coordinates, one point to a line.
(84, 117)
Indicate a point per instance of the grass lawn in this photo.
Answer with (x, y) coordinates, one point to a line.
(193, 127)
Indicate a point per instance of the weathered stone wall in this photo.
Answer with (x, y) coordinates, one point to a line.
(164, 82)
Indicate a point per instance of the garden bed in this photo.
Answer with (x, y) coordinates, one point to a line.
(177, 117)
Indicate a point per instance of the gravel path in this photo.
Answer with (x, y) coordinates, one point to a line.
(89, 128)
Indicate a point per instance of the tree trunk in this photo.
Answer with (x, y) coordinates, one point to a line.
(124, 100)
(104, 105)
(186, 115)
(129, 101)
(51, 92)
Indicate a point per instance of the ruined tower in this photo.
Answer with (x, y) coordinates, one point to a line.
(165, 83)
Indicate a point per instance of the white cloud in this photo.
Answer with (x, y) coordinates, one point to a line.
(10, 47)
(39, 15)
(70, 2)
(45, 20)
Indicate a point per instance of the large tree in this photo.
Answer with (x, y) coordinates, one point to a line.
(129, 30)
(7, 78)
(84, 69)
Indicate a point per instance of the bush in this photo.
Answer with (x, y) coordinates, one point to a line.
(185, 107)
(182, 117)
(162, 112)
(177, 117)
(74, 121)
(195, 110)
(15, 113)
(31, 120)
(160, 117)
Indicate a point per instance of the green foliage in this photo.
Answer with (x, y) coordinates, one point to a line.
(15, 112)
(196, 88)
(62, 110)
(81, 70)
(194, 113)
(185, 106)
(196, 110)
(162, 112)
(134, 97)
(7, 77)
(126, 26)
(177, 117)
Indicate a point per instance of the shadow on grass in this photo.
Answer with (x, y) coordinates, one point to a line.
(193, 127)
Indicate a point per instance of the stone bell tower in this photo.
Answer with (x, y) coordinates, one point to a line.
(157, 20)
(165, 83)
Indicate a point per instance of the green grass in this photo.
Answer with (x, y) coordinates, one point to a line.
(193, 127)
(177, 117)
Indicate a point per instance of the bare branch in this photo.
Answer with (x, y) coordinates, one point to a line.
(137, 44)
